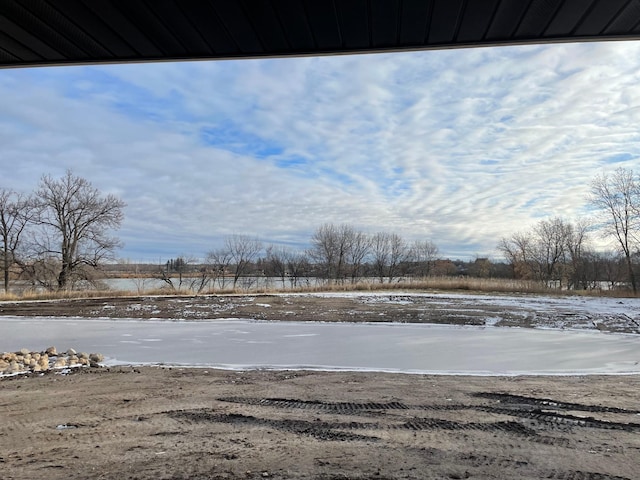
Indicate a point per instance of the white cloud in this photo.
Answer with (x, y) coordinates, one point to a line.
(460, 146)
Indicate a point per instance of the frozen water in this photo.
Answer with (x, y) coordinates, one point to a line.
(411, 348)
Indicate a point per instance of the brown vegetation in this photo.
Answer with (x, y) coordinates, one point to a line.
(428, 284)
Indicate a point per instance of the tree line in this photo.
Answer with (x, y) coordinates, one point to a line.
(57, 236)
(338, 254)
(558, 252)
(555, 252)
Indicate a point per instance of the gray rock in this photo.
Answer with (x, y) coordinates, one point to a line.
(96, 357)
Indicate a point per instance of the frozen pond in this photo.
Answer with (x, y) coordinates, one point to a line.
(410, 348)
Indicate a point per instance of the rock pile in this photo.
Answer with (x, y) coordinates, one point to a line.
(28, 361)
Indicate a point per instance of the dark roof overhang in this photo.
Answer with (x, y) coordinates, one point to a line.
(59, 32)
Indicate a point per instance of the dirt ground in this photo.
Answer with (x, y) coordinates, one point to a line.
(177, 423)
(162, 423)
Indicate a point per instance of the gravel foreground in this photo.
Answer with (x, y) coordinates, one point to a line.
(175, 423)
(178, 423)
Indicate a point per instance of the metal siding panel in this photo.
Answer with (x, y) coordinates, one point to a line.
(354, 23)
(506, 19)
(267, 26)
(16, 49)
(537, 18)
(73, 38)
(27, 39)
(151, 27)
(599, 18)
(59, 31)
(238, 26)
(384, 22)
(120, 24)
(625, 23)
(444, 21)
(324, 24)
(169, 13)
(413, 21)
(91, 25)
(294, 22)
(6, 57)
(566, 19)
(206, 21)
(476, 19)
(39, 29)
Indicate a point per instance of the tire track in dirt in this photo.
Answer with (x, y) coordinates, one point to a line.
(580, 475)
(420, 424)
(510, 405)
(563, 420)
(335, 430)
(481, 461)
(538, 411)
(552, 412)
(550, 403)
(334, 407)
(318, 429)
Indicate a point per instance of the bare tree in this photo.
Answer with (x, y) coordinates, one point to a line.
(612, 267)
(42, 272)
(617, 196)
(380, 253)
(518, 250)
(360, 246)
(16, 212)
(277, 262)
(388, 251)
(423, 253)
(201, 278)
(76, 219)
(218, 262)
(243, 251)
(298, 266)
(330, 247)
(579, 255)
(183, 268)
(551, 252)
(550, 241)
(398, 255)
(323, 249)
(286, 264)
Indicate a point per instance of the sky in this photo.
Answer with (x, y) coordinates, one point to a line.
(461, 147)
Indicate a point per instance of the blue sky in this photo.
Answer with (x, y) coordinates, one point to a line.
(460, 147)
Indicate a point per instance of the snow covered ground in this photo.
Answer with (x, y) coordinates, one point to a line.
(536, 311)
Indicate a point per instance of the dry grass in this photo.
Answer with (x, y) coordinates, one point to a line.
(468, 284)
(430, 284)
(62, 295)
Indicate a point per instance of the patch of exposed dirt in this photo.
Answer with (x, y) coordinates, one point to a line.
(403, 308)
(162, 423)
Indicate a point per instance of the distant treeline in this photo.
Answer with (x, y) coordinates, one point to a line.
(340, 255)
(557, 253)
(58, 237)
